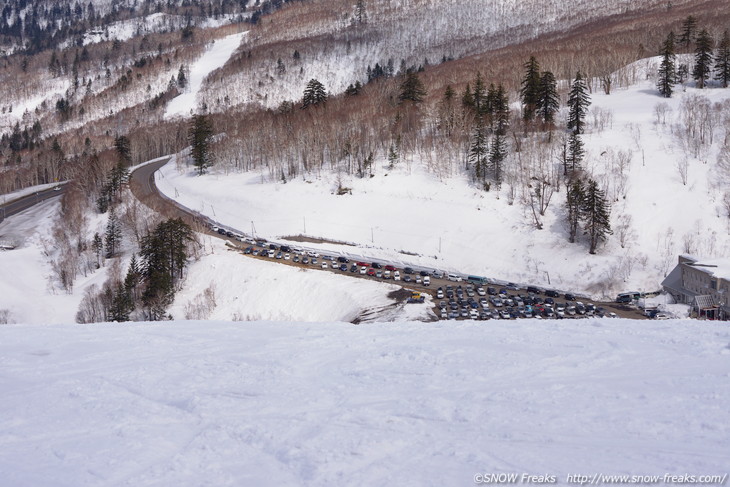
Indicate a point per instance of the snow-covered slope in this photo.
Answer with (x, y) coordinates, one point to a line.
(216, 56)
(294, 404)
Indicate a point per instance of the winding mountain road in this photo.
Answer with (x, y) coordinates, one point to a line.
(142, 185)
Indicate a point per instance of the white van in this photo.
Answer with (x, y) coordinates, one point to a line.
(454, 277)
(426, 281)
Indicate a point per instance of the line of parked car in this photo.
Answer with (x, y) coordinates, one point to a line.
(340, 263)
(479, 303)
(470, 300)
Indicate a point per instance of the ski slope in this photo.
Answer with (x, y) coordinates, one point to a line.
(322, 404)
(215, 57)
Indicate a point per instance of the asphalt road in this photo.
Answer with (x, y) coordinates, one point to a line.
(21, 204)
(142, 185)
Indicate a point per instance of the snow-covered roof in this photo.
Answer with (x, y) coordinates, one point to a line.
(719, 267)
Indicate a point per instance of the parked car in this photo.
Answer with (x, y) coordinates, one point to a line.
(375, 265)
(408, 270)
(454, 278)
(389, 268)
(386, 274)
(533, 290)
(439, 293)
(305, 260)
(552, 293)
(569, 297)
(426, 281)
(396, 276)
(343, 260)
(371, 272)
(363, 269)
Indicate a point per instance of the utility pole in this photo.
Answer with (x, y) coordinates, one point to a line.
(253, 229)
(305, 224)
(372, 235)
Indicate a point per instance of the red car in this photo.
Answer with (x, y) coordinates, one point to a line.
(389, 268)
(371, 272)
(363, 264)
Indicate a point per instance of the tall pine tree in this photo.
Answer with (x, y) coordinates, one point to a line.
(578, 102)
(497, 155)
(667, 70)
(596, 214)
(703, 59)
(530, 89)
(574, 197)
(689, 26)
(199, 133)
(411, 89)
(722, 60)
(113, 235)
(574, 154)
(478, 149)
(314, 94)
(548, 101)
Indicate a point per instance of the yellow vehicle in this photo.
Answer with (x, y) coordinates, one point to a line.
(416, 297)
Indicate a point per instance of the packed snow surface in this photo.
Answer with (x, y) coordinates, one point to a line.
(322, 404)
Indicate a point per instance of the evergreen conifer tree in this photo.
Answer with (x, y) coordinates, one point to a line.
(497, 155)
(478, 149)
(500, 110)
(467, 98)
(574, 197)
(578, 102)
(200, 131)
(113, 235)
(596, 215)
(124, 150)
(575, 153)
(361, 15)
(530, 89)
(722, 60)
(164, 254)
(314, 94)
(182, 79)
(480, 95)
(548, 102)
(121, 305)
(689, 26)
(411, 89)
(97, 245)
(703, 59)
(667, 71)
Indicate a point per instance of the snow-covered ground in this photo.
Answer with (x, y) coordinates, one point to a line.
(453, 226)
(412, 404)
(251, 289)
(243, 288)
(215, 57)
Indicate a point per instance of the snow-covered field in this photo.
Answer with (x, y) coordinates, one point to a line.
(454, 226)
(411, 404)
